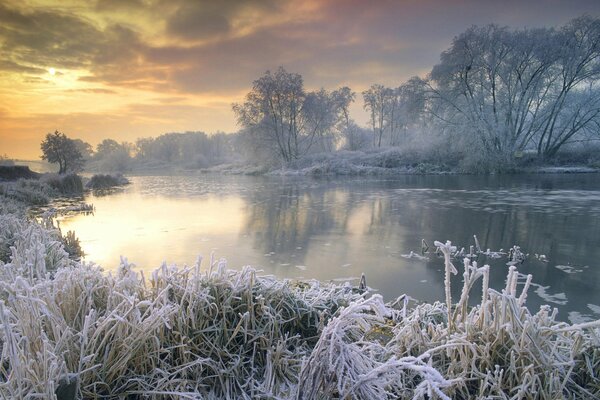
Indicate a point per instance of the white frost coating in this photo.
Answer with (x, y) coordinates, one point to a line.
(447, 249)
(363, 369)
(223, 334)
(414, 255)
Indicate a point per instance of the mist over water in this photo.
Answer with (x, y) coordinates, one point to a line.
(338, 229)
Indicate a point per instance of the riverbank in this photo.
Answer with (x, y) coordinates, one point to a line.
(206, 331)
(394, 162)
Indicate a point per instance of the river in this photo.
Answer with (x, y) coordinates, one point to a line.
(336, 229)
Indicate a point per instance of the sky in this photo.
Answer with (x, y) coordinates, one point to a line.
(125, 69)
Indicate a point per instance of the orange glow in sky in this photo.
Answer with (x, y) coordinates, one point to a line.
(125, 69)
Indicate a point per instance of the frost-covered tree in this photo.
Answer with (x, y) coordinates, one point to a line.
(113, 156)
(573, 105)
(393, 110)
(343, 97)
(58, 148)
(355, 137)
(280, 115)
(189, 149)
(84, 148)
(327, 114)
(273, 113)
(413, 103)
(376, 104)
(513, 90)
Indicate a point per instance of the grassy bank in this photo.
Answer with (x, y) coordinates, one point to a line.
(401, 161)
(208, 332)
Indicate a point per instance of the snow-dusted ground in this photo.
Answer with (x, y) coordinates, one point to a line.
(563, 170)
(392, 161)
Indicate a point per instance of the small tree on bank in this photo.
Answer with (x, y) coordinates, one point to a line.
(58, 148)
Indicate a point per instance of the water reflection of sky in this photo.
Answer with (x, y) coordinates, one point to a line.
(339, 229)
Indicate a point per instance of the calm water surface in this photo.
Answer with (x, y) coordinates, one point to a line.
(333, 229)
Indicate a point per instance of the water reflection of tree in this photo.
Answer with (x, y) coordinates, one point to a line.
(392, 221)
(286, 218)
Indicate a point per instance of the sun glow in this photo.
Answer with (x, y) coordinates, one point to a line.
(52, 71)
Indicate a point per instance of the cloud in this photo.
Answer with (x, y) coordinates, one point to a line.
(198, 21)
(119, 5)
(42, 38)
(94, 90)
(204, 19)
(11, 66)
(205, 46)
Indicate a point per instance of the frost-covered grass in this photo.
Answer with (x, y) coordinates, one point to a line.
(25, 193)
(208, 332)
(181, 333)
(17, 199)
(389, 161)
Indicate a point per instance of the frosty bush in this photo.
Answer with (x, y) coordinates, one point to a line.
(101, 181)
(66, 184)
(181, 333)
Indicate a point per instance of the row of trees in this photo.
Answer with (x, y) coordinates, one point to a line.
(190, 149)
(393, 111)
(496, 91)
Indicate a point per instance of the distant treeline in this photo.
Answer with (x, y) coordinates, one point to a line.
(190, 150)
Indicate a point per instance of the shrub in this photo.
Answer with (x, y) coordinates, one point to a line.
(67, 184)
(101, 181)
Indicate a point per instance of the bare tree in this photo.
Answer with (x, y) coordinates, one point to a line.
(280, 115)
(375, 102)
(514, 90)
(273, 112)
